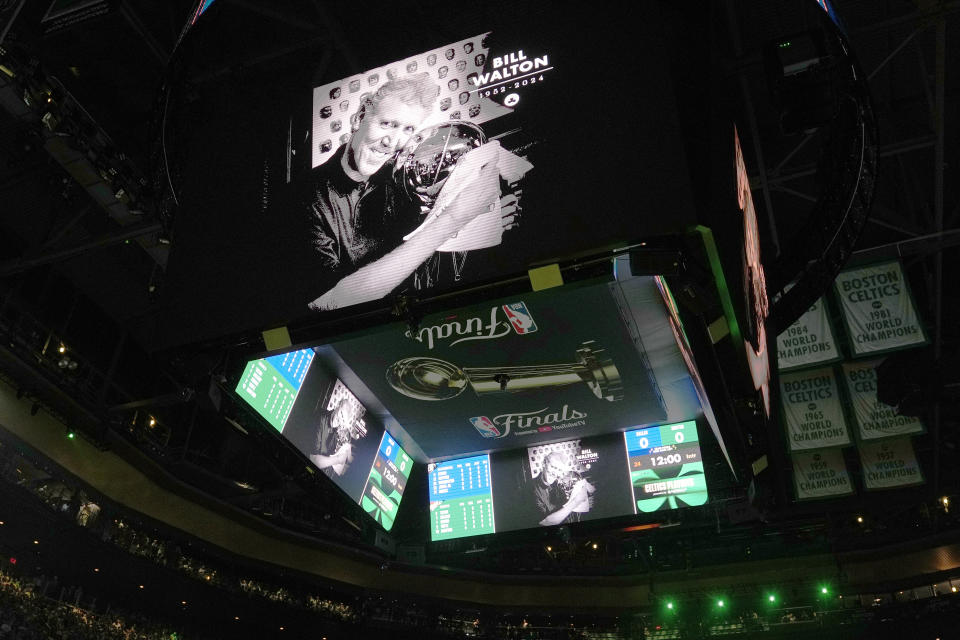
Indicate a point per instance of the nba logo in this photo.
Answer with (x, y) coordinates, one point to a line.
(485, 426)
(520, 318)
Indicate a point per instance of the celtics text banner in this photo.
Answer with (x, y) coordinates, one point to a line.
(808, 341)
(812, 411)
(820, 474)
(874, 419)
(878, 309)
(889, 464)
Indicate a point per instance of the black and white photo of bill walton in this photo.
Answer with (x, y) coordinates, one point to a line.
(405, 182)
(560, 482)
(339, 423)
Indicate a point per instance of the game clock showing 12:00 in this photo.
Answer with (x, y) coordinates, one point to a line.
(386, 482)
(666, 470)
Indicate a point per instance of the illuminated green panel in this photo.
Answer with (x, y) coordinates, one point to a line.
(267, 391)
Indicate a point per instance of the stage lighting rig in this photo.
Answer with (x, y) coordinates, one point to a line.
(69, 134)
(800, 75)
(817, 83)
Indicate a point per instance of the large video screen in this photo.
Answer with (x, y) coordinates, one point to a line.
(326, 422)
(271, 385)
(446, 162)
(666, 470)
(513, 371)
(461, 498)
(639, 471)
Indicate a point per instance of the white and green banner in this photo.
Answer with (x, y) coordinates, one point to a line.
(812, 411)
(808, 341)
(889, 464)
(874, 419)
(878, 309)
(820, 474)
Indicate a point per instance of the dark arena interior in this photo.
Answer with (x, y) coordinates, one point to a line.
(492, 320)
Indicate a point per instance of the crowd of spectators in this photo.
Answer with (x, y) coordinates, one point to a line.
(332, 608)
(74, 504)
(43, 608)
(27, 614)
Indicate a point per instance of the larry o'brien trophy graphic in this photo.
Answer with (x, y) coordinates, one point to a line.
(434, 379)
(441, 164)
(555, 364)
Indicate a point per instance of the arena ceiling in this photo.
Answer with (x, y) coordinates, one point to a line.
(83, 265)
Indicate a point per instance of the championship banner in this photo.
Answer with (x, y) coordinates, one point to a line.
(878, 309)
(808, 341)
(889, 464)
(874, 419)
(820, 474)
(812, 412)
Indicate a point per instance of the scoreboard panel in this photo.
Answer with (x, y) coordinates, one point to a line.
(461, 498)
(665, 467)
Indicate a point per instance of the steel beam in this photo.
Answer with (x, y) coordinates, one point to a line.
(166, 400)
(128, 233)
(806, 138)
(893, 53)
(885, 151)
(924, 76)
(938, 167)
(257, 59)
(943, 10)
(337, 34)
(920, 246)
(754, 127)
(59, 234)
(876, 207)
(13, 18)
(265, 10)
(158, 51)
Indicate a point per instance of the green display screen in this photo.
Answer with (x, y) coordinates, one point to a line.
(666, 469)
(386, 482)
(461, 498)
(328, 424)
(271, 385)
(656, 468)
